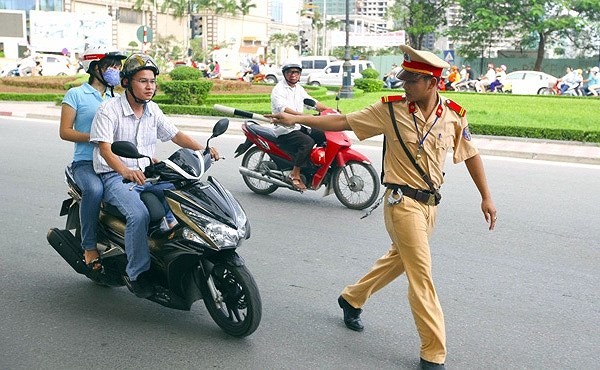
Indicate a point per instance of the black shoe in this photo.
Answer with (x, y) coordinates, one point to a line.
(426, 365)
(141, 287)
(351, 315)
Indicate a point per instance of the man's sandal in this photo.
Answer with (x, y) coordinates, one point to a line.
(297, 183)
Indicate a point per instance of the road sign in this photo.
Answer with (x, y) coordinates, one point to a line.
(449, 56)
(144, 34)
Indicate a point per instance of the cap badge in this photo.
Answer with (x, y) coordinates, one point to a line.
(407, 57)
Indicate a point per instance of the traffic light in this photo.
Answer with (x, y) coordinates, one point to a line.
(196, 26)
(303, 47)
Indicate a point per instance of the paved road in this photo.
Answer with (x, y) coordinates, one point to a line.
(522, 297)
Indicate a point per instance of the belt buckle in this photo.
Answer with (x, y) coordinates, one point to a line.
(431, 200)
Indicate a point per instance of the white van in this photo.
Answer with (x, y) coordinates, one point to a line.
(309, 65)
(332, 74)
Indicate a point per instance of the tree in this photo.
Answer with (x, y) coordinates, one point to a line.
(244, 7)
(419, 18)
(533, 23)
(477, 28)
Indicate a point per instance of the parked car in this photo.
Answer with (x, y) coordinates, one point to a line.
(529, 82)
(333, 73)
(56, 65)
(309, 65)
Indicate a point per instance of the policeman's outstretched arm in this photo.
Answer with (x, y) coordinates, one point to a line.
(332, 122)
(475, 167)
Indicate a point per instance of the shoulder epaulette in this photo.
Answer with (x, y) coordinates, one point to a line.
(455, 107)
(392, 98)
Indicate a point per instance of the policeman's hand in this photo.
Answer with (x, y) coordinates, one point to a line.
(489, 212)
(284, 119)
(136, 176)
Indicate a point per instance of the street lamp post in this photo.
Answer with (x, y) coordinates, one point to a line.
(346, 90)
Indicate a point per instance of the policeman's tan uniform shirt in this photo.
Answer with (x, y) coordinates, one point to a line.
(450, 131)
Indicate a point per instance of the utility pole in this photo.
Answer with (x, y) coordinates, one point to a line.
(346, 90)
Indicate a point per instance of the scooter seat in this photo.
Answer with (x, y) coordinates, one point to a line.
(266, 132)
(153, 204)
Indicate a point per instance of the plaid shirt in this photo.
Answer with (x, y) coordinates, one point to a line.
(115, 121)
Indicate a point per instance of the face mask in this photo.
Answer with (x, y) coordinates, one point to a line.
(111, 77)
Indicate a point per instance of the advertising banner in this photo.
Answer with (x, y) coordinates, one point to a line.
(56, 31)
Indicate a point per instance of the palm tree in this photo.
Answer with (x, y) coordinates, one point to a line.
(244, 7)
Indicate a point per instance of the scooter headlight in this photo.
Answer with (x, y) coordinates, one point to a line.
(224, 236)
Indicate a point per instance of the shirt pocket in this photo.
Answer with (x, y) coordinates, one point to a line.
(442, 145)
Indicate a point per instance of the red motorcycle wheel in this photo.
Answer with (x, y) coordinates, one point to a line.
(256, 160)
(356, 185)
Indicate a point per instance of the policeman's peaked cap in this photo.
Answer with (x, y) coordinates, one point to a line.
(421, 62)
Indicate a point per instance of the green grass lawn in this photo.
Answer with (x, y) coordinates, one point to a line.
(550, 117)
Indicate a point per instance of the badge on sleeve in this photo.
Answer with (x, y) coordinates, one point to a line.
(466, 133)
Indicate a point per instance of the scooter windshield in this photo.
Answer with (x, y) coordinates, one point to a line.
(188, 161)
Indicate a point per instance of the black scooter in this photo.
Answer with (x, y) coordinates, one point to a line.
(195, 260)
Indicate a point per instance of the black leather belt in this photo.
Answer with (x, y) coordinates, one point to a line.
(423, 196)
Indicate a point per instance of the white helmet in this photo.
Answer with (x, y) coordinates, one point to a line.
(291, 64)
(95, 53)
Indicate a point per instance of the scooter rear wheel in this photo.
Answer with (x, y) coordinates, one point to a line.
(257, 160)
(356, 185)
(232, 299)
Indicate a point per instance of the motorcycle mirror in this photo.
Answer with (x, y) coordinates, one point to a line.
(310, 103)
(218, 129)
(126, 149)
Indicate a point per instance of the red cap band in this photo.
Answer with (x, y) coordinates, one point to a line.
(422, 68)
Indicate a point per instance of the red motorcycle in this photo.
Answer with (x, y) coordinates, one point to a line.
(266, 167)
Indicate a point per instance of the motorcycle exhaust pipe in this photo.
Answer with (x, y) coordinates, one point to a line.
(246, 172)
(67, 246)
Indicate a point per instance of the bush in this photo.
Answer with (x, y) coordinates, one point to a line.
(370, 73)
(368, 84)
(185, 73)
(187, 92)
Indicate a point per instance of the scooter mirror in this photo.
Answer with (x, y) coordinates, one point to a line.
(125, 149)
(310, 103)
(220, 127)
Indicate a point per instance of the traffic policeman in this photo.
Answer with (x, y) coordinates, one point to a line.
(419, 128)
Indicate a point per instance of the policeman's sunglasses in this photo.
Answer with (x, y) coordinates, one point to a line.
(292, 72)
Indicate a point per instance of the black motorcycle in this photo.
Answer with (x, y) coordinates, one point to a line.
(195, 260)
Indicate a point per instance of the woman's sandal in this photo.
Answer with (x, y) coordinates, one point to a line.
(95, 264)
(297, 183)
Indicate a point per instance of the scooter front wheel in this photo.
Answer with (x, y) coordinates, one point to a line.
(356, 185)
(258, 161)
(232, 299)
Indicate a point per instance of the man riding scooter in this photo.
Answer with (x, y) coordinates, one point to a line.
(288, 96)
(134, 117)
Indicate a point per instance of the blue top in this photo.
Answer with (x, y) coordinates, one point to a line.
(85, 100)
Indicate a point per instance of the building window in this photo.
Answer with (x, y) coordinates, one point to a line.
(130, 16)
(277, 11)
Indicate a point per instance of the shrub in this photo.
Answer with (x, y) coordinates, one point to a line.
(185, 73)
(368, 84)
(187, 92)
(370, 73)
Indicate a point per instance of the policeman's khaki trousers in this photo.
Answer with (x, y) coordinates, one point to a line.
(409, 225)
